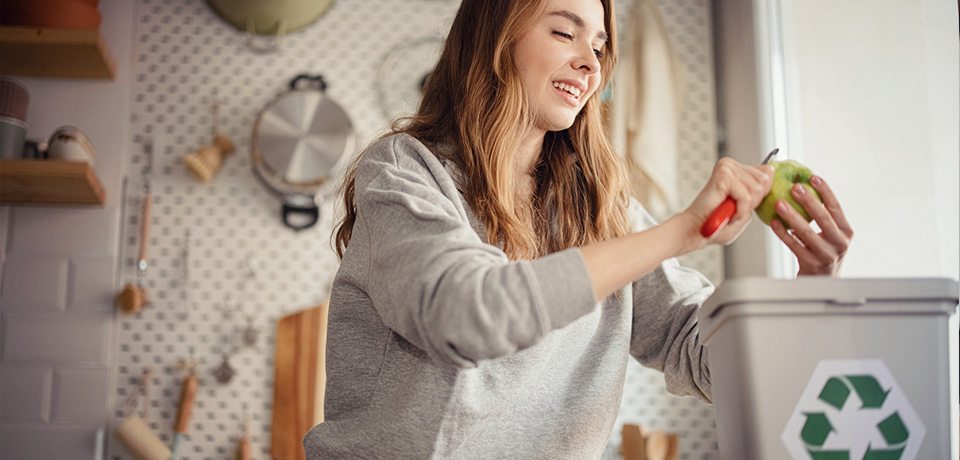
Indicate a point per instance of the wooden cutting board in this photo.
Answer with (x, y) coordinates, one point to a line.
(299, 378)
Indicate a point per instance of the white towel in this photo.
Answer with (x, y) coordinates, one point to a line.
(646, 104)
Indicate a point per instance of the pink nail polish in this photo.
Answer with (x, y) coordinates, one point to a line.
(799, 189)
(816, 180)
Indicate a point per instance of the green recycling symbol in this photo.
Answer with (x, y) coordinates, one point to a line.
(830, 424)
(835, 393)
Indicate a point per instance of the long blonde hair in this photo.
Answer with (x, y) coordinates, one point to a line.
(474, 101)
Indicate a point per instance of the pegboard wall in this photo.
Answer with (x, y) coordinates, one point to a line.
(203, 237)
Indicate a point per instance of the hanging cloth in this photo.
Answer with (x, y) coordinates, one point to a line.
(646, 104)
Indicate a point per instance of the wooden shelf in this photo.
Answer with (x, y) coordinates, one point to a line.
(49, 182)
(64, 53)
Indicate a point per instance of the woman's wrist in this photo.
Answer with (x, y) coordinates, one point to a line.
(682, 232)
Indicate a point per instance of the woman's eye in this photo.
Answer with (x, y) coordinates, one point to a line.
(563, 34)
(598, 53)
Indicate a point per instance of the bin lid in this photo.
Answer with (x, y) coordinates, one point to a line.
(822, 289)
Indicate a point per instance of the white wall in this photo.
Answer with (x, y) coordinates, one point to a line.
(873, 100)
(865, 92)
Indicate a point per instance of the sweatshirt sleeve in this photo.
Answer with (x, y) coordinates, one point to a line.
(665, 334)
(436, 283)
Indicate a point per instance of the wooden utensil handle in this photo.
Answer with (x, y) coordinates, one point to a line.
(144, 227)
(187, 394)
(243, 450)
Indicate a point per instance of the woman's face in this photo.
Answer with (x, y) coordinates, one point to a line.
(558, 60)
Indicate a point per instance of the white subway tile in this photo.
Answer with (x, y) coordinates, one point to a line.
(25, 394)
(52, 339)
(64, 231)
(73, 442)
(91, 284)
(80, 394)
(31, 282)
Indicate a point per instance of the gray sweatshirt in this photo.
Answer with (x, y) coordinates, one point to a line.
(440, 347)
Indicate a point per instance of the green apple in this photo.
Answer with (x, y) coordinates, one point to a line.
(786, 173)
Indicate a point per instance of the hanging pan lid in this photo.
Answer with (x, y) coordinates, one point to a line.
(298, 141)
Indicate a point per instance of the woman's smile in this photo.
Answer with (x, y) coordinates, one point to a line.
(568, 92)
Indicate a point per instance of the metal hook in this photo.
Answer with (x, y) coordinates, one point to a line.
(251, 267)
(271, 45)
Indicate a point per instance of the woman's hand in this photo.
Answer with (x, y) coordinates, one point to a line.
(817, 253)
(747, 185)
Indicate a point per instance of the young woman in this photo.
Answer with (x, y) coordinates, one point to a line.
(496, 276)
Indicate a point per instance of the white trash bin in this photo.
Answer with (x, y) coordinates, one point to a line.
(822, 368)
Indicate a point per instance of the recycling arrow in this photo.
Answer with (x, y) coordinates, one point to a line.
(814, 434)
(895, 433)
(835, 393)
(883, 454)
(829, 454)
(869, 390)
(893, 430)
(816, 429)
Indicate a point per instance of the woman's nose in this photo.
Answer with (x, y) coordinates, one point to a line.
(587, 61)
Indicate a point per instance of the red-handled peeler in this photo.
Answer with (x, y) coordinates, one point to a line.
(720, 216)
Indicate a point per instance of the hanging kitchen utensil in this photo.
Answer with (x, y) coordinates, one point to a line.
(269, 17)
(181, 307)
(224, 372)
(403, 73)
(298, 141)
(243, 445)
(250, 333)
(188, 392)
(134, 434)
(206, 161)
(134, 296)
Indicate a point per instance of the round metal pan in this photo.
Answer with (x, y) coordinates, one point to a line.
(298, 141)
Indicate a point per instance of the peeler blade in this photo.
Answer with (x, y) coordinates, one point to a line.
(770, 156)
